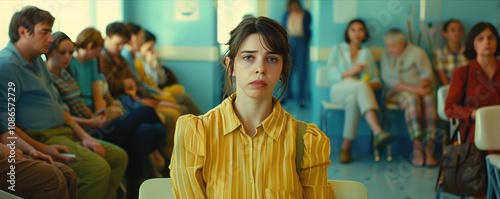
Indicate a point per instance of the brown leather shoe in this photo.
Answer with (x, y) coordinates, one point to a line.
(345, 156)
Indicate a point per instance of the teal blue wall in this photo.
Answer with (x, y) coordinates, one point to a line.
(200, 78)
(158, 16)
(471, 12)
(276, 9)
(378, 15)
(327, 33)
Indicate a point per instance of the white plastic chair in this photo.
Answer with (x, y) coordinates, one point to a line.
(156, 188)
(344, 189)
(7, 195)
(161, 188)
(322, 81)
(442, 93)
(487, 138)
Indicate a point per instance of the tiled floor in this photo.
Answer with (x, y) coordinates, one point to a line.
(397, 179)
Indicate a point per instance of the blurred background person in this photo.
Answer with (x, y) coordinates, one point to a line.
(297, 21)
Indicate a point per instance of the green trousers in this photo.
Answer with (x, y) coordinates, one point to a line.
(97, 177)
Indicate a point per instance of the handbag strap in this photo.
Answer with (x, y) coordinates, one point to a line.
(466, 84)
(437, 187)
(464, 104)
(467, 126)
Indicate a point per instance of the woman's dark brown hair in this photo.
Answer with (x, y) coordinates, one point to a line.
(58, 38)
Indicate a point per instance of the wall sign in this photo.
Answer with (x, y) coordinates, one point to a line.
(187, 10)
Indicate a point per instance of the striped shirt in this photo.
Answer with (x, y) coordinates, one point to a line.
(213, 157)
(71, 94)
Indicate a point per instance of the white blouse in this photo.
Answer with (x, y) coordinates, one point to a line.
(340, 60)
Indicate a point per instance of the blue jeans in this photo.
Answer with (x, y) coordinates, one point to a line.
(140, 132)
(299, 74)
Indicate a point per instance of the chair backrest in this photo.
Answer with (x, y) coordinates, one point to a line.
(377, 53)
(487, 136)
(6, 195)
(161, 188)
(156, 188)
(442, 93)
(345, 189)
(322, 80)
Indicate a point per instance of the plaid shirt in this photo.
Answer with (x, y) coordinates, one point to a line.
(447, 61)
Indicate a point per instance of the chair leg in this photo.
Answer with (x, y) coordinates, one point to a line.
(326, 121)
(496, 180)
(322, 120)
(438, 193)
(377, 155)
(389, 153)
(490, 175)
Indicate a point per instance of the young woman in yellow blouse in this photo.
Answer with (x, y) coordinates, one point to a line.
(246, 146)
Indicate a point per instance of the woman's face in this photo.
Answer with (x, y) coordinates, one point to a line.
(147, 49)
(485, 43)
(356, 32)
(256, 69)
(61, 56)
(454, 32)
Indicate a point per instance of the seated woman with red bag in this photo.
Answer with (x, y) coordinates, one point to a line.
(481, 79)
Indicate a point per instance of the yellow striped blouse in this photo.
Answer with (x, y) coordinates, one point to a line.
(213, 157)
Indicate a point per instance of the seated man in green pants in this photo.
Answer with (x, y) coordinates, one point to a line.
(40, 119)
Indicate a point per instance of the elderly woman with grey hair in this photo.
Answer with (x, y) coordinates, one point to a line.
(408, 78)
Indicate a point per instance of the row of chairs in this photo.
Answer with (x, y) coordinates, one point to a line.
(161, 188)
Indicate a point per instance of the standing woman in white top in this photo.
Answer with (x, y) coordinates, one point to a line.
(297, 21)
(354, 76)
